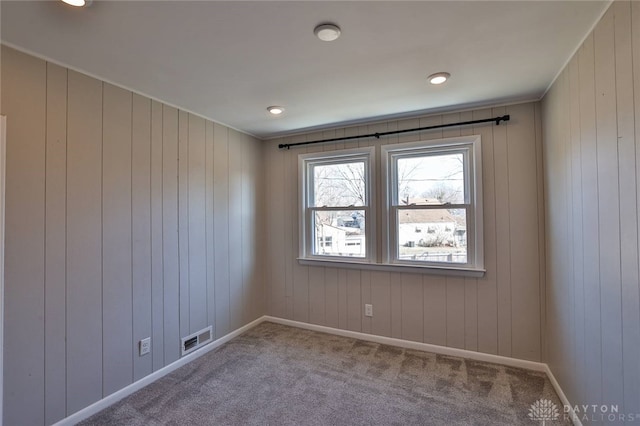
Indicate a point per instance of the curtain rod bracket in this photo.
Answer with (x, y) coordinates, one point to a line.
(503, 118)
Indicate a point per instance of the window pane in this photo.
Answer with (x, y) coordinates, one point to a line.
(339, 233)
(431, 179)
(339, 185)
(432, 235)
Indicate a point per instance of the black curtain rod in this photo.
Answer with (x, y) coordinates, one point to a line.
(496, 120)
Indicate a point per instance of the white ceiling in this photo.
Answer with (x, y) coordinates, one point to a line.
(229, 60)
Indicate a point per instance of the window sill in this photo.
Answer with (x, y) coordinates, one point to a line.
(392, 267)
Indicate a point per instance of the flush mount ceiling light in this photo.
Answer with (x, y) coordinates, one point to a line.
(439, 77)
(78, 3)
(327, 32)
(275, 110)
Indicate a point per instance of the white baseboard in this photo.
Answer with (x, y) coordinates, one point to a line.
(100, 405)
(442, 350)
(563, 398)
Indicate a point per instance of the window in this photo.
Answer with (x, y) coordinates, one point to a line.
(431, 206)
(434, 185)
(336, 205)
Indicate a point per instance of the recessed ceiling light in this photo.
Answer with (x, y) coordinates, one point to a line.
(78, 3)
(275, 110)
(439, 77)
(327, 32)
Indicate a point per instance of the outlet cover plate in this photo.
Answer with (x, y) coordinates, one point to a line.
(145, 346)
(368, 310)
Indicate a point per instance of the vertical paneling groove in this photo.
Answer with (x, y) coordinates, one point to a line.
(576, 220)
(24, 102)
(196, 160)
(342, 299)
(487, 285)
(381, 301)
(501, 170)
(541, 231)
(117, 312)
(157, 264)
(455, 286)
(170, 234)
(141, 232)
(183, 222)
(221, 228)
(237, 307)
(590, 220)
(84, 241)
(412, 308)
(55, 245)
(435, 310)
(252, 241)
(455, 312)
(290, 216)
(300, 283)
(331, 307)
(275, 230)
(470, 284)
(317, 295)
(316, 289)
(354, 305)
(209, 228)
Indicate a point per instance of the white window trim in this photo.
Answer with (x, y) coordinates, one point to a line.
(473, 143)
(305, 244)
(382, 261)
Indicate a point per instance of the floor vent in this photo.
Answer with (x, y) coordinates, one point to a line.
(196, 340)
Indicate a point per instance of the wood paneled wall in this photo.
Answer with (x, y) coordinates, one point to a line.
(592, 163)
(125, 218)
(500, 313)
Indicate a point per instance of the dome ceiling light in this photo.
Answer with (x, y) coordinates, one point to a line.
(439, 77)
(327, 32)
(78, 3)
(275, 110)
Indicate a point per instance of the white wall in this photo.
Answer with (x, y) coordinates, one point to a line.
(591, 122)
(126, 219)
(501, 313)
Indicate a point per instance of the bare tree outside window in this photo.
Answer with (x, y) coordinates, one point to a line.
(439, 177)
(339, 185)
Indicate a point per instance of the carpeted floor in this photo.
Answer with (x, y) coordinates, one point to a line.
(279, 375)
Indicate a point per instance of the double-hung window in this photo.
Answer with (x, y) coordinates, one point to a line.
(430, 205)
(336, 209)
(434, 203)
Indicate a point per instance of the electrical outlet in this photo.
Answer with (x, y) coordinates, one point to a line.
(145, 346)
(368, 310)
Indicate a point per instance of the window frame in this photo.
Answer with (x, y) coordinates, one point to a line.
(471, 148)
(306, 211)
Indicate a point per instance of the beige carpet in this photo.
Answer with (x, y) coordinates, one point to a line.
(279, 375)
